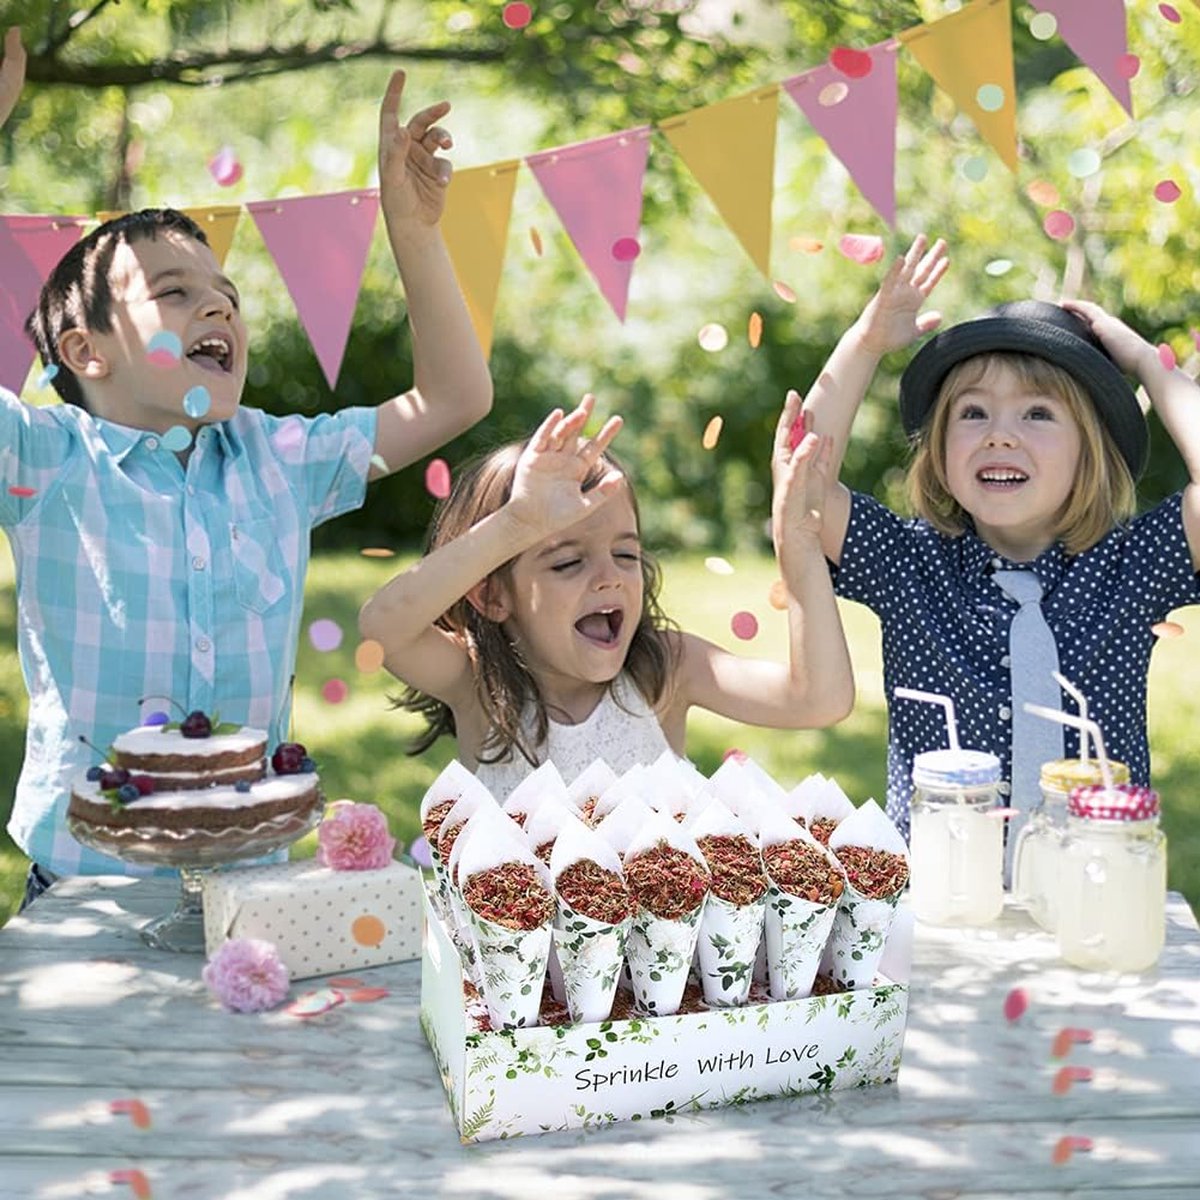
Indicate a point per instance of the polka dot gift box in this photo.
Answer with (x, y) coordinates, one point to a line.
(321, 921)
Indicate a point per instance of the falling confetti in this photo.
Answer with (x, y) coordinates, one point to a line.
(313, 1004)
(1083, 162)
(377, 552)
(806, 245)
(626, 249)
(1015, 1004)
(832, 93)
(516, 15)
(1166, 191)
(1166, 356)
(861, 248)
(224, 167)
(1042, 192)
(736, 754)
(1043, 26)
(1128, 65)
(718, 565)
(990, 97)
(1066, 1038)
(1167, 629)
(855, 64)
(1170, 13)
(420, 853)
(47, 375)
(138, 1113)
(437, 479)
(139, 1185)
(784, 292)
(369, 656)
(975, 168)
(334, 691)
(744, 625)
(164, 349)
(797, 431)
(23, 492)
(536, 239)
(1067, 1145)
(712, 433)
(713, 337)
(777, 597)
(176, 438)
(325, 635)
(1066, 1076)
(1059, 224)
(998, 267)
(754, 328)
(196, 402)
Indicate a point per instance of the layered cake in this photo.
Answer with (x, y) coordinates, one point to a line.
(160, 777)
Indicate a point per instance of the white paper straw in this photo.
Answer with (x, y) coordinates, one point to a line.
(1085, 726)
(1080, 699)
(935, 698)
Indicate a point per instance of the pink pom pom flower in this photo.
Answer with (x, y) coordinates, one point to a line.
(354, 837)
(247, 975)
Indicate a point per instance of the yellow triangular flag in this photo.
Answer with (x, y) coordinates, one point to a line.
(475, 227)
(969, 55)
(730, 148)
(219, 222)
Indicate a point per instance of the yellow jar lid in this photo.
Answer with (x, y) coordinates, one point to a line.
(1063, 774)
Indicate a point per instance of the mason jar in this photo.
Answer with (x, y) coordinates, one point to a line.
(1036, 856)
(956, 852)
(1112, 879)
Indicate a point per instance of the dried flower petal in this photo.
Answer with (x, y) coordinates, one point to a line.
(802, 870)
(875, 874)
(666, 881)
(434, 818)
(737, 874)
(595, 892)
(511, 895)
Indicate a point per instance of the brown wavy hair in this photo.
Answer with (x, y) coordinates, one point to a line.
(504, 686)
(1104, 494)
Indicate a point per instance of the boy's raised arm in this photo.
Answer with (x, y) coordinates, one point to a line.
(452, 388)
(12, 72)
(891, 320)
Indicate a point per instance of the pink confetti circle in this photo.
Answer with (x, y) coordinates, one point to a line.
(1058, 224)
(744, 626)
(325, 635)
(335, 690)
(224, 167)
(1015, 1004)
(1170, 13)
(1128, 65)
(832, 93)
(23, 492)
(1167, 191)
(1166, 356)
(626, 249)
(784, 292)
(854, 64)
(737, 755)
(517, 15)
(861, 248)
(437, 479)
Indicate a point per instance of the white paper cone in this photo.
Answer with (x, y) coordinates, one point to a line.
(730, 935)
(860, 931)
(797, 931)
(512, 969)
(659, 953)
(558, 988)
(591, 954)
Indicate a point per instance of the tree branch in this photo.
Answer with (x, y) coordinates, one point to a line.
(73, 24)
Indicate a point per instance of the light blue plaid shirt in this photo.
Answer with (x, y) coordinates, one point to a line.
(136, 577)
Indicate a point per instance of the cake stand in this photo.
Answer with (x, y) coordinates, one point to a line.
(192, 851)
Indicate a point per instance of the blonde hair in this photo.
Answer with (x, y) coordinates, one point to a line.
(1104, 494)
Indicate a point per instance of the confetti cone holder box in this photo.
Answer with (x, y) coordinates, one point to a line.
(535, 1080)
(321, 921)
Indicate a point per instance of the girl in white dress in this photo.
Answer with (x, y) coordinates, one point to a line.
(531, 629)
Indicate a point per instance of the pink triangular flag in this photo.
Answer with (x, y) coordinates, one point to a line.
(1095, 31)
(856, 116)
(596, 189)
(320, 244)
(30, 248)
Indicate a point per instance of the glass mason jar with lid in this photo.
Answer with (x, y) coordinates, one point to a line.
(1113, 879)
(1036, 857)
(957, 849)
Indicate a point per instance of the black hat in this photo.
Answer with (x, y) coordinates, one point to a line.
(1047, 331)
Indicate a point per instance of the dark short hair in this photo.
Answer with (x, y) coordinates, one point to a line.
(77, 293)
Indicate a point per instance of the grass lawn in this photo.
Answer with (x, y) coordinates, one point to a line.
(360, 743)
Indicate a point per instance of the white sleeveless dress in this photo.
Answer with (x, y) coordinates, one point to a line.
(622, 734)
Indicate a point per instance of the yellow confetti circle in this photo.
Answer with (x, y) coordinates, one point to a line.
(368, 658)
(718, 565)
(536, 239)
(378, 552)
(778, 595)
(713, 337)
(754, 330)
(712, 432)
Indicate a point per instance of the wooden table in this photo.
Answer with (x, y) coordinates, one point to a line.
(348, 1104)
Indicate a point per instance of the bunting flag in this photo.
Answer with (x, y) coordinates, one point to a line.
(856, 117)
(595, 188)
(320, 244)
(969, 55)
(475, 229)
(30, 247)
(1095, 31)
(730, 148)
(219, 222)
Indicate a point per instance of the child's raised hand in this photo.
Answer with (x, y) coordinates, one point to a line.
(412, 179)
(893, 317)
(800, 466)
(12, 72)
(1127, 348)
(548, 492)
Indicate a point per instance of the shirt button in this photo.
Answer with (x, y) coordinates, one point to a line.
(152, 443)
(203, 645)
(1005, 712)
(191, 489)
(1006, 661)
(997, 563)
(1004, 787)
(198, 563)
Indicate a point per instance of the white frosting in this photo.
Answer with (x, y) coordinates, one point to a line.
(187, 779)
(276, 787)
(156, 739)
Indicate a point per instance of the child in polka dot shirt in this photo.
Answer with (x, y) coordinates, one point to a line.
(1028, 440)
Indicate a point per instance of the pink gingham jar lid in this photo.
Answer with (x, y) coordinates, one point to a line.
(1124, 802)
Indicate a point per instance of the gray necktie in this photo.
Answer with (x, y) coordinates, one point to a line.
(1033, 656)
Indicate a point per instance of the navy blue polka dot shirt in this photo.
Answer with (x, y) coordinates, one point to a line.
(945, 628)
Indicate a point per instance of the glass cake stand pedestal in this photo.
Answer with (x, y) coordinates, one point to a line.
(192, 852)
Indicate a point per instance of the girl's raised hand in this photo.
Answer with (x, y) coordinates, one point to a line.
(548, 491)
(893, 317)
(1127, 348)
(800, 466)
(412, 179)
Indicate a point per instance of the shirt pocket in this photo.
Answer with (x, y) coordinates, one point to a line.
(258, 570)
